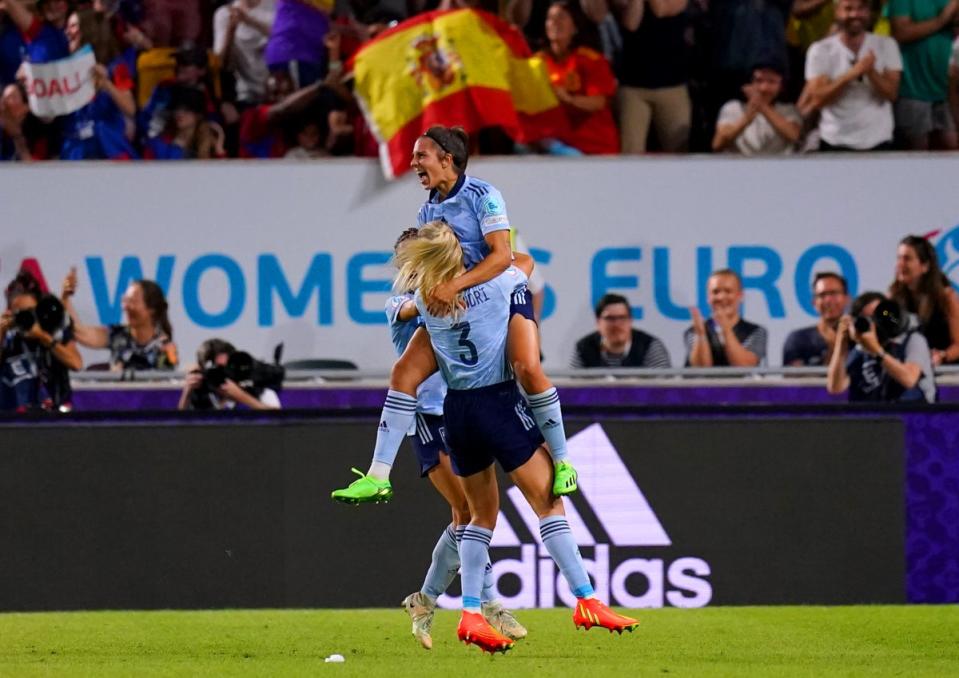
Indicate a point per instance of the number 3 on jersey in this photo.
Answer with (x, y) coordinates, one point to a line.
(469, 356)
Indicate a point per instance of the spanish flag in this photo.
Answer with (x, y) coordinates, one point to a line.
(459, 67)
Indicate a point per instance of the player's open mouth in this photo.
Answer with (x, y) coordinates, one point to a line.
(424, 177)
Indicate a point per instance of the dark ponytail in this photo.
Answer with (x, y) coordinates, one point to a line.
(154, 300)
(452, 140)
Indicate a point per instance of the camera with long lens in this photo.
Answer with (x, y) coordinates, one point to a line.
(48, 314)
(252, 375)
(889, 319)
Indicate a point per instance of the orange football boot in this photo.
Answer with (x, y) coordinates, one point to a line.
(475, 630)
(592, 612)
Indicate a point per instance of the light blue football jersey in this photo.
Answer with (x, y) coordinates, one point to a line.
(432, 392)
(471, 348)
(473, 209)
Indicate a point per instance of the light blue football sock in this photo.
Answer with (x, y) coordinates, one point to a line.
(474, 557)
(396, 419)
(444, 566)
(489, 592)
(558, 540)
(549, 418)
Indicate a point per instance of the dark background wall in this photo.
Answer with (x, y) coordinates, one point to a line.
(239, 515)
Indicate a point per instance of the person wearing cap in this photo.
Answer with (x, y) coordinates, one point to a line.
(852, 78)
(760, 125)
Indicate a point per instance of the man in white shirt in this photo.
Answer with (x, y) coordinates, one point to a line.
(240, 33)
(852, 78)
(760, 126)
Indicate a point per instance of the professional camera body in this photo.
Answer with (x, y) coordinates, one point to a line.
(889, 319)
(48, 313)
(250, 374)
(31, 376)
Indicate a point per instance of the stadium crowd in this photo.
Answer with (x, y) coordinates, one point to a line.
(266, 78)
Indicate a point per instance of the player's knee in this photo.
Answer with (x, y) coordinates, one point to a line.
(530, 376)
(403, 379)
(547, 505)
(484, 516)
(461, 514)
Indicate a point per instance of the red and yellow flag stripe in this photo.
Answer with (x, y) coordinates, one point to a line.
(463, 67)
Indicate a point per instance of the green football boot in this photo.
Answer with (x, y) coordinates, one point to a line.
(564, 479)
(366, 490)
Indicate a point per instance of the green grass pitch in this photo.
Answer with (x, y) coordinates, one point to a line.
(769, 641)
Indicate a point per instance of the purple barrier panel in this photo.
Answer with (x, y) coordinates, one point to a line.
(91, 400)
(592, 396)
(334, 398)
(932, 508)
(365, 397)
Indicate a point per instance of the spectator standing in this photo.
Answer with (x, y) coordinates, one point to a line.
(852, 78)
(172, 22)
(616, 343)
(760, 126)
(724, 339)
(99, 130)
(921, 288)
(42, 41)
(54, 12)
(654, 75)
(813, 345)
(810, 21)
(296, 42)
(11, 47)
(241, 29)
(582, 80)
(924, 29)
(144, 342)
(879, 368)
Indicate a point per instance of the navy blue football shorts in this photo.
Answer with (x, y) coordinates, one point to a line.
(488, 424)
(428, 441)
(522, 303)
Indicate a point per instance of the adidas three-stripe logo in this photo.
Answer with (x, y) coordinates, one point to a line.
(607, 486)
(523, 415)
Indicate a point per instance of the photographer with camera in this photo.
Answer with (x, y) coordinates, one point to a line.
(225, 378)
(37, 349)
(880, 355)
